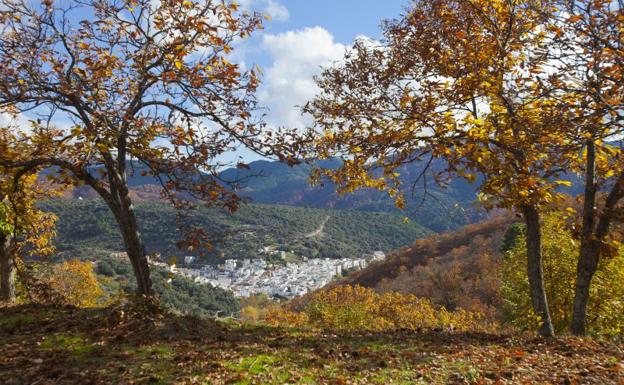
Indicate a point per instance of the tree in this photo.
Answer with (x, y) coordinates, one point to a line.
(605, 308)
(141, 83)
(7, 267)
(24, 229)
(591, 59)
(461, 80)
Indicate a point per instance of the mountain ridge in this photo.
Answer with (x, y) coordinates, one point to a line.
(271, 182)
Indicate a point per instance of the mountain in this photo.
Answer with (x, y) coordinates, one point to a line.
(276, 183)
(87, 228)
(268, 182)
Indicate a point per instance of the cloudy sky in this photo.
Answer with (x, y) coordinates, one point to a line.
(301, 37)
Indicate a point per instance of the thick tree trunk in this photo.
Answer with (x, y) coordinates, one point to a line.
(129, 228)
(7, 270)
(534, 270)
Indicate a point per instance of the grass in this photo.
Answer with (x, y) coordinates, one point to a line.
(15, 321)
(104, 346)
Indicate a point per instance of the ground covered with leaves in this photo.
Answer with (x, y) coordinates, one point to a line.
(52, 345)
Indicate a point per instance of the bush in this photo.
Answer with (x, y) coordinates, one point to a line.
(286, 318)
(355, 308)
(105, 268)
(75, 282)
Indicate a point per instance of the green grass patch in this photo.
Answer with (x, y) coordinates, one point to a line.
(13, 322)
(74, 343)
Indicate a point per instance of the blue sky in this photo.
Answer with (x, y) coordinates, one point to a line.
(345, 19)
(302, 37)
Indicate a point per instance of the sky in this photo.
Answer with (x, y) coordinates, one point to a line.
(301, 37)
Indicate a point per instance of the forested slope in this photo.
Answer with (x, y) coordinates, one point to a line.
(454, 269)
(86, 227)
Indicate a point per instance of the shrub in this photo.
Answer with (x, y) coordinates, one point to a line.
(355, 308)
(286, 318)
(71, 282)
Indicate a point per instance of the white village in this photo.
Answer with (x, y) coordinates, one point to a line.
(249, 277)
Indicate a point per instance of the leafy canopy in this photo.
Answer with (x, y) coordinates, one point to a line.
(461, 80)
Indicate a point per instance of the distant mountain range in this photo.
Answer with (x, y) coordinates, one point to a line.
(269, 182)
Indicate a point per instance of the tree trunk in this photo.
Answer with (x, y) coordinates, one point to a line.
(135, 248)
(588, 254)
(7, 270)
(591, 243)
(586, 268)
(535, 272)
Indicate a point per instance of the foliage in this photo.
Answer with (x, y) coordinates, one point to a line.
(87, 225)
(451, 79)
(30, 228)
(255, 308)
(356, 308)
(459, 269)
(73, 281)
(287, 318)
(605, 309)
(25, 230)
(139, 81)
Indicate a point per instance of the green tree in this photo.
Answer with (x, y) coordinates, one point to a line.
(560, 252)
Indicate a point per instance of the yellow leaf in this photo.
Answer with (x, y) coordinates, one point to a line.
(563, 183)
(178, 64)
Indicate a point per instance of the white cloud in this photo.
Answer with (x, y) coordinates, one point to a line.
(17, 122)
(274, 9)
(277, 11)
(288, 83)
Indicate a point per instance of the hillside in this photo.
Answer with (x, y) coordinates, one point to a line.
(63, 346)
(269, 182)
(454, 269)
(86, 228)
(440, 249)
(179, 294)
